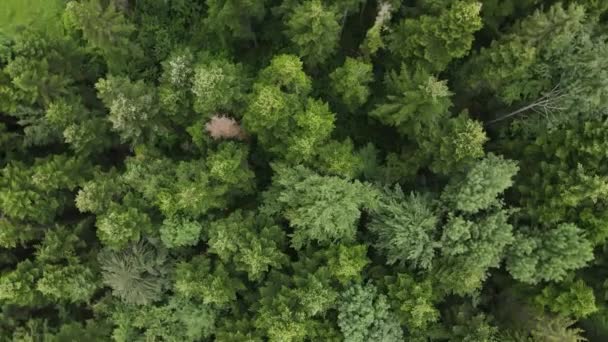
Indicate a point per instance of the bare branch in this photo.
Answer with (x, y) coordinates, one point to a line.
(222, 127)
(545, 105)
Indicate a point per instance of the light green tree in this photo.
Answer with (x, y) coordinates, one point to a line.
(365, 315)
(350, 82)
(548, 255)
(321, 209)
(482, 184)
(406, 227)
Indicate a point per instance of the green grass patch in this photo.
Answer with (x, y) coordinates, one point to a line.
(15, 14)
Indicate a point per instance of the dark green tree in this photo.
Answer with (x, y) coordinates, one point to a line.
(314, 30)
(137, 275)
(106, 30)
(432, 42)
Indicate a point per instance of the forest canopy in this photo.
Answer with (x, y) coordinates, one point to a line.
(303, 170)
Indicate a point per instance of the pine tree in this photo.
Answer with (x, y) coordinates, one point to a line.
(137, 274)
(320, 209)
(314, 31)
(432, 42)
(406, 227)
(105, 29)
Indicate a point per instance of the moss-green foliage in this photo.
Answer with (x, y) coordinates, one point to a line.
(481, 185)
(366, 316)
(136, 274)
(17, 14)
(321, 209)
(571, 298)
(432, 42)
(549, 255)
(252, 243)
(303, 170)
(412, 300)
(350, 83)
(406, 227)
(415, 101)
(314, 31)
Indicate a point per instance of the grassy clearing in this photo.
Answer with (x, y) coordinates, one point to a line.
(23, 13)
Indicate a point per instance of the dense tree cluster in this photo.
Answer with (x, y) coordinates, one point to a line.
(304, 170)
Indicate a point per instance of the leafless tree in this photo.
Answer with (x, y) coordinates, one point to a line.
(546, 105)
(223, 127)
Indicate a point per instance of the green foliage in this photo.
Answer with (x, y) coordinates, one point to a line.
(363, 315)
(470, 248)
(137, 274)
(406, 227)
(73, 283)
(464, 324)
(248, 242)
(191, 188)
(278, 313)
(549, 255)
(179, 232)
(238, 330)
(303, 170)
(557, 329)
(226, 166)
(18, 14)
(481, 185)
(549, 54)
(14, 233)
(496, 12)
(570, 299)
(412, 301)
(415, 101)
(120, 226)
(40, 69)
(314, 31)
(373, 38)
(90, 331)
(57, 273)
(338, 158)
(96, 195)
(18, 286)
(39, 192)
(105, 29)
(179, 319)
(285, 71)
(133, 107)
(350, 83)
(218, 86)
(178, 71)
(507, 69)
(206, 281)
(85, 131)
(293, 308)
(570, 184)
(433, 41)
(460, 145)
(346, 263)
(320, 209)
(234, 19)
(280, 110)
